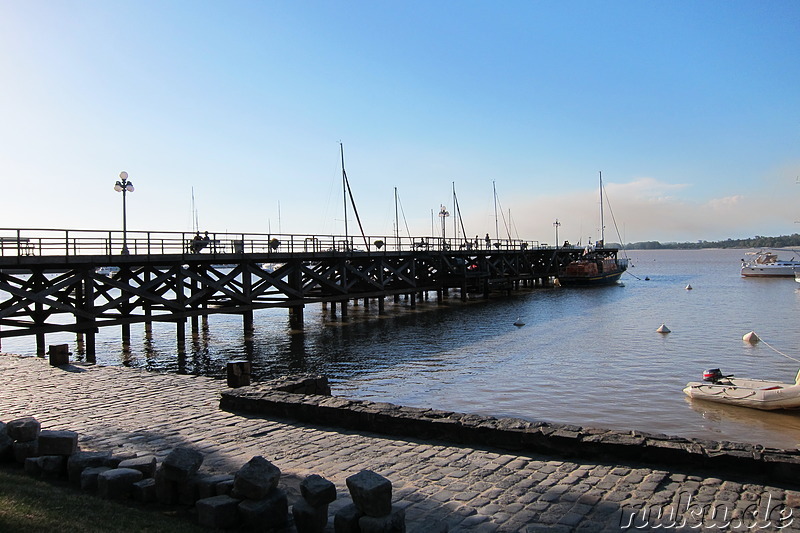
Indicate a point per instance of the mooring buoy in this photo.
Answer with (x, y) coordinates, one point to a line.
(751, 337)
(663, 329)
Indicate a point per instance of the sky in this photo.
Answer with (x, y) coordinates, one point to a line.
(231, 114)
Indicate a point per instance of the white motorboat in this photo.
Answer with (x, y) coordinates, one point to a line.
(767, 264)
(755, 393)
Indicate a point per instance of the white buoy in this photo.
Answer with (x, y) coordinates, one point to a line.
(688, 287)
(519, 323)
(663, 329)
(751, 337)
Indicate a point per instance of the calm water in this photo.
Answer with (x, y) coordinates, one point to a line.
(589, 357)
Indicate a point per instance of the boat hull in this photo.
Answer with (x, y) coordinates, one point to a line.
(755, 394)
(771, 271)
(600, 279)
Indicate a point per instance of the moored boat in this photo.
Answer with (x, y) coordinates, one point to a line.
(753, 393)
(766, 264)
(598, 265)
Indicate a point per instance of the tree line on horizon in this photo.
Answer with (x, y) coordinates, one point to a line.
(783, 241)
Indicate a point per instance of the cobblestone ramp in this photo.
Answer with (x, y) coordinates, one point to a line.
(438, 485)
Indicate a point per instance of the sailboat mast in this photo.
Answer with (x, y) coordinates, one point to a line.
(496, 226)
(396, 221)
(344, 194)
(602, 222)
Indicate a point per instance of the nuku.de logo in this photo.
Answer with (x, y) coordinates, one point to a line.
(761, 514)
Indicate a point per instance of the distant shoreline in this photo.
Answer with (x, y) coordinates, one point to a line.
(784, 241)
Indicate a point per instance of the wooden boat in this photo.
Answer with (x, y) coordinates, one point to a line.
(754, 393)
(598, 265)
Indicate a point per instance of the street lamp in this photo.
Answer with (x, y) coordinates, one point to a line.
(124, 186)
(443, 214)
(556, 224)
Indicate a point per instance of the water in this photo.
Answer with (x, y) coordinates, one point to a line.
(590, 357)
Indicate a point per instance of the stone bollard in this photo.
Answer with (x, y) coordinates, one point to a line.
(311, 512)
(175, 477)
(25, 434)
(238, 373)
(372, 510)
(59, 354)
(264, 505)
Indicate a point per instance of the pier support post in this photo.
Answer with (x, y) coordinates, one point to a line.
(344, 308)
(180, 334)
(333, 309)
(413, 300)
(296, 317)
(91, 356)
(247, 322)
(381, 305)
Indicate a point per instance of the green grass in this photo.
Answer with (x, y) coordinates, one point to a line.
(31, 505)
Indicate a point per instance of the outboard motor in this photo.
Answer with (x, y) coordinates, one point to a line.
(713, 375)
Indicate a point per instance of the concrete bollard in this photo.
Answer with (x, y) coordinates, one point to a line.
(238, 373)
(59, 354)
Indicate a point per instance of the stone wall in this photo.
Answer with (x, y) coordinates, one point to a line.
(515, 434)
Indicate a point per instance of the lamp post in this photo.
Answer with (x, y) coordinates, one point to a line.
(443, 214)
(124, 186)
(556, 224)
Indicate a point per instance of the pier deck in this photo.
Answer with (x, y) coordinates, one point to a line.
(50, 282)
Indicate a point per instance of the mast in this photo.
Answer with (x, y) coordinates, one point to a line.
(496, 226)
(602, 222)
(344, 193)
(396, 221)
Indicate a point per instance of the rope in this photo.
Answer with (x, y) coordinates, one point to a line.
(778, 351)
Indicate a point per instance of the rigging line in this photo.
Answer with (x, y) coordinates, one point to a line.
(778, 351)
(616, 228)
(405, 221)
(458, 212)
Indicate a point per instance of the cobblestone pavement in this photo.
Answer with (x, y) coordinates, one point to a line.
(439, 485)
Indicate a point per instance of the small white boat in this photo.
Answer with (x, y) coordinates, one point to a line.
(107, 270)
(767, 265)
(755, 393)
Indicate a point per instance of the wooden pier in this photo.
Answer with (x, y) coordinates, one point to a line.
(79, 281)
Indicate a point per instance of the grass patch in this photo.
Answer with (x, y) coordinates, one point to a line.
(31, 505)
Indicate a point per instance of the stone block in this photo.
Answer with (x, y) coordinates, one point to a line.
(24, 429)
(218, 512)
(207, 485)
(6, 444)
(145, 464)
(144, 491)
(25, 449)
(166, 489)
(117, 483)
(394, 522)
(59, 354)
(187, 491)
(346, 519)
(238, 373)
(309, 519)
(371, 493)
(114, 460)
(256, 479)
(79, 461)
(224, 487)
(52, 466)
(58, 442)
(31, 466)
(317, 490)
(88, 479)
(181, 464)
(267, 513)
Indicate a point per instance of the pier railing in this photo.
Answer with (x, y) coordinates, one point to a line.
(19, 242)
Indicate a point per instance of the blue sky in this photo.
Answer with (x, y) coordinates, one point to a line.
(690, 109)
